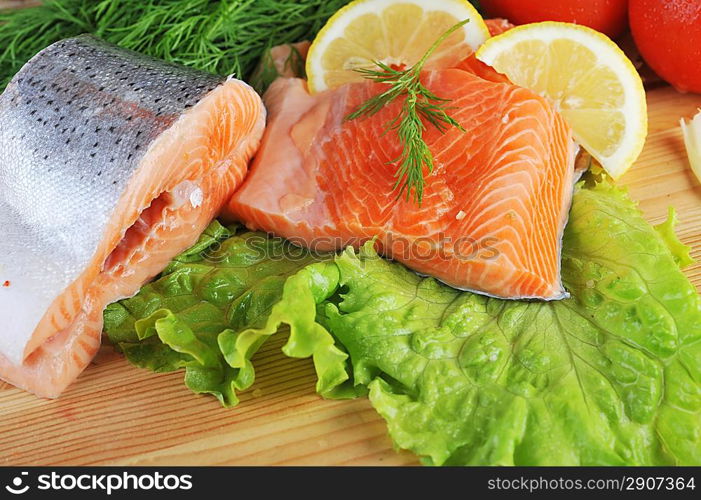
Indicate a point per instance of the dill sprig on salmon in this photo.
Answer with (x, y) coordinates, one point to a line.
(419, 104)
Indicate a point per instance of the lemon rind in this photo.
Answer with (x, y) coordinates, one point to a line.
(691, 133)
(476, 31)
(607, 52)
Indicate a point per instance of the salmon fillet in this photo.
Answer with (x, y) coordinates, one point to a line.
(113, 165)
(494, 208)
(498, 25)
(471, 64)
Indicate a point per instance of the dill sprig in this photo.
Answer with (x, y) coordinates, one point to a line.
(222, 37)
(419, 104)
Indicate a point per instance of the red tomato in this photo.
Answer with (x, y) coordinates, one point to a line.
(607, 16)
(668, 36)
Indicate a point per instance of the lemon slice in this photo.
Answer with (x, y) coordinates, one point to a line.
(396, 32)
(593, 84)
(691, 132)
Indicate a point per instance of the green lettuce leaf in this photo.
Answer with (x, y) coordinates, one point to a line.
(680, 251)
(297, 309)
(611, 376)
(227, 283)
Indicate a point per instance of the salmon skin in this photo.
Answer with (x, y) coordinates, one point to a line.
(495, 205)
(111, 163)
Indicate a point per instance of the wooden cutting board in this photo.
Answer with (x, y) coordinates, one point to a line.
(120, 415)
(17, 4)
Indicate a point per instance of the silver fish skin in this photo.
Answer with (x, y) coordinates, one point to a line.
(75, 122)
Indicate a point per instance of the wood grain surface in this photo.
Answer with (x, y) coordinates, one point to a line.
(17, 4)
(120, 415)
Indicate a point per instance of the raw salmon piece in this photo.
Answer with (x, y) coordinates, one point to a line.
(111, 164)
(494, 208)
(498, 25)
(288, 59)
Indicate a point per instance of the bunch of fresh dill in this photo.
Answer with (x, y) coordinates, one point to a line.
(223, 36)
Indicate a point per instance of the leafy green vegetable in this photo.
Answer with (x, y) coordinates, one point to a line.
(610, 376)
(189, 317)
(297, 308)
(681, 252)
(222, 36)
